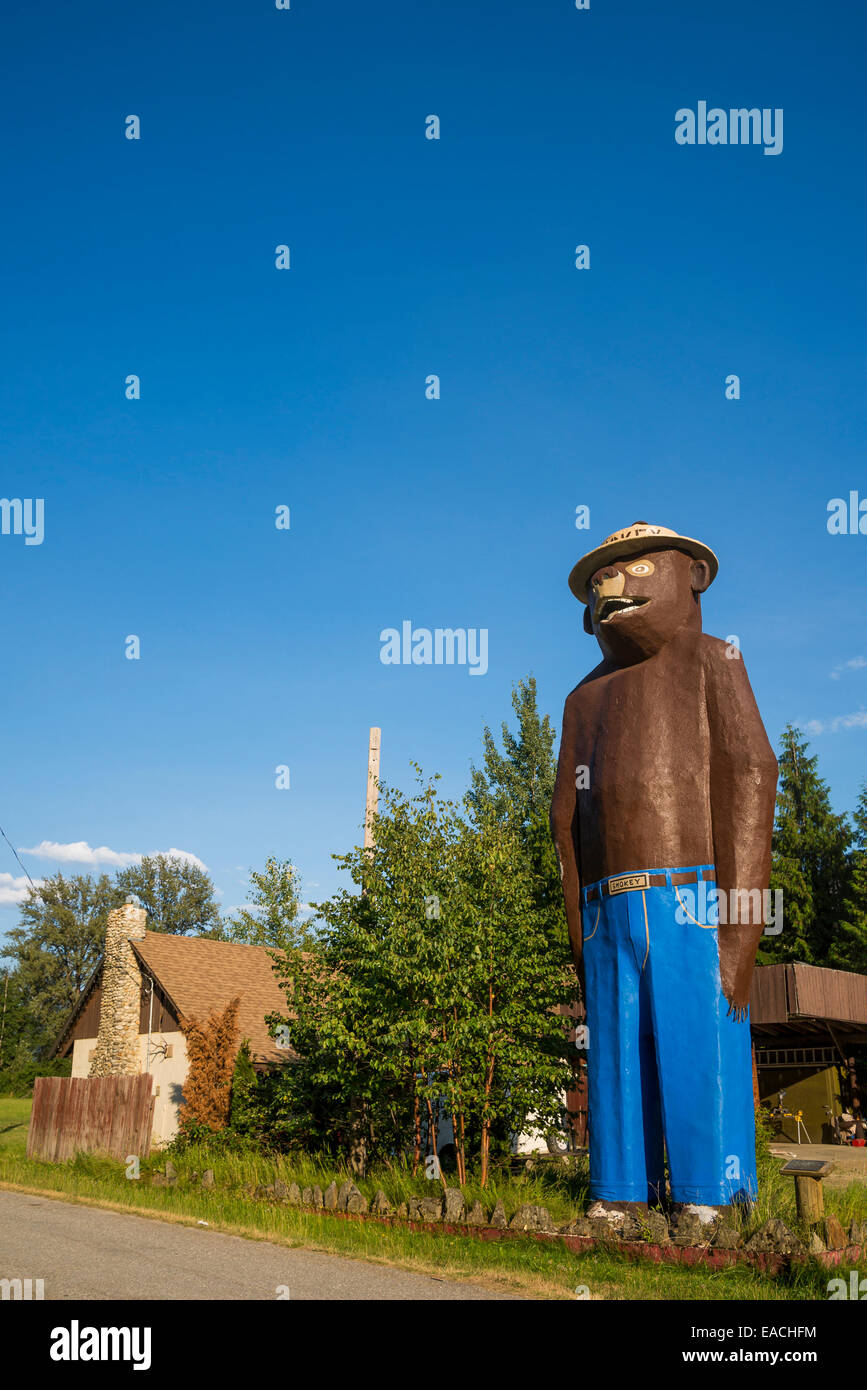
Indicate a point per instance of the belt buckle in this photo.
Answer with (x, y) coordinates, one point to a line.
(627, 883)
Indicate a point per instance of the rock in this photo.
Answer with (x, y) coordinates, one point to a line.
(329, 1197)
(265, 1191)
(281, 1191)
(498, 1216)
(380, 1205)
(159, 1180)
(610, 1223)
(307, 1197)
(531, 1218)
(832, 1233)
(171, 1171)
(294, 1194)
(350, 1199)
(775, 1238)
(696, 1225)
(858, 1233)
(476, 1215)
(318, 1199)
(453, 1205)
(581, 1226)
(653, 1228)
(816, 1245)
(402, 1211)
(426, 1208)
(208, 1178)
(726, 1237)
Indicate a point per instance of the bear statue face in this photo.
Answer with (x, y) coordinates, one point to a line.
(636, 605)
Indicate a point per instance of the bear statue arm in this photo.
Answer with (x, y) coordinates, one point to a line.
(743, 783)
(564, 830)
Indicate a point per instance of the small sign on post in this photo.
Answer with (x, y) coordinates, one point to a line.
(808, 1174)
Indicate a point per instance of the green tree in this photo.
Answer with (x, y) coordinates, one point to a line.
(515, 786)
(809, 859)
(360, 1007)
(245, 1110)
(178, 896)
(434, 993)
(13, 1015)
(849, 947)
(509, 993)
(56, 947)
(274, 919)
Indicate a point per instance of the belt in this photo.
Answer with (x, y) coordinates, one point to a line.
(632, 883)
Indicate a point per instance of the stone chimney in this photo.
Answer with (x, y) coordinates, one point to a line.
(117, 1046)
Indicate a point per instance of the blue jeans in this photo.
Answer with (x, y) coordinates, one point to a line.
(667, 1063)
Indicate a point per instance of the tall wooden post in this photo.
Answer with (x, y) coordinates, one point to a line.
(372, 788)
(357, 1109)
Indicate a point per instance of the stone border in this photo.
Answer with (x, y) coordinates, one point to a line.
(348, 1203)
(635, 1249)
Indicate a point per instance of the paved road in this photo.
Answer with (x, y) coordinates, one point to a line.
(85, 1253)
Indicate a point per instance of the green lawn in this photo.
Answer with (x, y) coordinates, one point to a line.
(14, 1119)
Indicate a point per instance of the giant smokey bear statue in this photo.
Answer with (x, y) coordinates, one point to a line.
(662, 817)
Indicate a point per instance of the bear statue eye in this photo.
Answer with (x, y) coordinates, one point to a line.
(641, 567)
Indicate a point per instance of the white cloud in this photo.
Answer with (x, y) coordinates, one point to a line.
(80, 852)
(14, 890)
(856, 664)
(858, 720)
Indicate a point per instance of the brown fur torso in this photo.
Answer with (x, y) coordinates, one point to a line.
(642, 731)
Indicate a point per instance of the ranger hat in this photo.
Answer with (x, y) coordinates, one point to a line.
(636, 539)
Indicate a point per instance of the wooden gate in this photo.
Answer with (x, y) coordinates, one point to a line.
(91, 1114)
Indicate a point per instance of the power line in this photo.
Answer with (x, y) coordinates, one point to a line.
(15, 852)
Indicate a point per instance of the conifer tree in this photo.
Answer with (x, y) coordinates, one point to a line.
(515, 786)
(849, 948)
(810, 859)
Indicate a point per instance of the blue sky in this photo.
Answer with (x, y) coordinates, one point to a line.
(306, 388)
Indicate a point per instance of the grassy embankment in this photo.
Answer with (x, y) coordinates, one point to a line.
(534, 1268)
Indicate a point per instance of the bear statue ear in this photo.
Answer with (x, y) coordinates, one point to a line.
(699, 576)
(588, 625)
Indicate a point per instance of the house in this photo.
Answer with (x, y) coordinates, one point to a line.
(127, 1020)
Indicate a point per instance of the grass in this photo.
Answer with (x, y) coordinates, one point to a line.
(14, 1119)
(532, 1268)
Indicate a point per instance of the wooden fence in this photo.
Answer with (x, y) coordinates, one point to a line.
(92, 1114)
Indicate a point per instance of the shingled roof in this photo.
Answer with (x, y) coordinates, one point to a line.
(199, 975)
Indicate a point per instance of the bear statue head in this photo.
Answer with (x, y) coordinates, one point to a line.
(641, 588)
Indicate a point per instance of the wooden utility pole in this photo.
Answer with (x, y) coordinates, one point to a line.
(372, 788)
(358, 1116)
